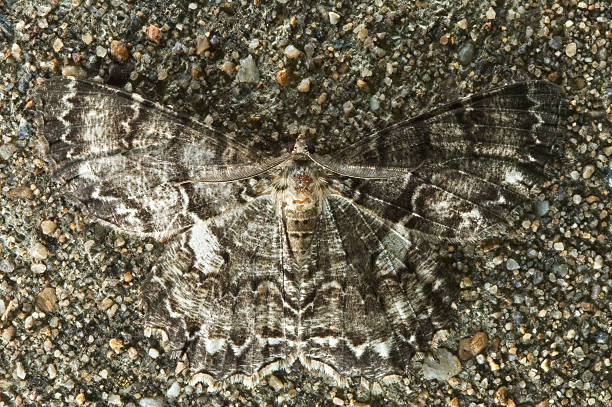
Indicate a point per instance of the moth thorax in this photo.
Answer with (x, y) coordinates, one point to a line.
(300, 211)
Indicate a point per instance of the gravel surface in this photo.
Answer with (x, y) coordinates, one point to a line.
(533, 323)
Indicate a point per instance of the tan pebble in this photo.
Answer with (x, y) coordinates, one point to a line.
(501, 395)
(304, 85)
(292, 52)
(87, 38)
(361, 84)
(463, 24)
(162, 75)
(132, 352)
(80, 398)
(470, 347)
(491, 14)
(510, 403)
(38, 251)
(570, 49)
(154, 33)
(275, 383)
(492, 364)
(363, 33)
(607, 151)
(21, 192)
(47, 299)
(58, 44)
(227, 67)
(105, 304)
(202, 44)
(119, 51)
(116, 345)
(338, 401)
(282, 77)
(8, 333)
(48, 226)
(52, 372)
(322, 98)
(591, 198)
(127, 276)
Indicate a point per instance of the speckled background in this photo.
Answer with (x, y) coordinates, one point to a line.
(71, 330)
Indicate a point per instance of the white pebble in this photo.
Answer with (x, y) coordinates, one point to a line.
(491, 14)
(38, 251)
(173, 391)
(20, 371)
(304, 85)
(292, 52)
(154, 353)
(333, 18)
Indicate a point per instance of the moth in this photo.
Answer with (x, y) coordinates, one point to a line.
(321, 259)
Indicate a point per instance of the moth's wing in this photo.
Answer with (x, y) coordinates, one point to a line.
(467, 164)
(371, 298)
(132, 163)
(217, 292)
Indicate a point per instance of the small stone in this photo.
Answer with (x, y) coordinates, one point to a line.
(470, 347)
(119, 51)
(501, 395)
(292, 52)
(153, 353)
(490, 14)
(80, 398)
(492, 364)
(8, 333)
(576, 199)
(282, 77)
(154, 33)
(38, 251)
(116, 345)
(248, 71)
(570, 49)
(227, 67)
(48, 226)
(588, 171)
(598, 262)
(512, 264)
(542, 208)
(46, 300)
(202, 44)
(114, 399)
(174, 391)
(442, 365)
(463, 24)
(362, 34)
(333, 18)
(151, 402)
(558, 246)
(304, 85)
(7, 151)
(38, 268)
(16, 51)
(275, 383)
(132, 352)
(87, 38)
(51, 372)
(348, 108)
(20, 371)
(58, 44)
(338, 401)
(101, 51)
(466, 53)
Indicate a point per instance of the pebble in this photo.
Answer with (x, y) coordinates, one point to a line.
(202, 44)
(588, 171)
(227, 67)
(20, 371)
(38, 268)
(48, 226)
(8, 333)
(46, 300)
(470, 347)
(87, 38)
(51, 371)
(304, 85)
(114, 399)
(576, 199)
(154, 33)
(348, 108)
(441, 366)
(512, 264)
(275, 383)
(558, 246)
(248, 71)
(282, 77)
(466, 53)
(570, 49)
(463, 24)
(542, 208)
(7, 150)
(21, 192)
(38, 251)
(119, 51)
(292, 52)
(101, 51)
(58, 44)
(151, 402)
(153, 353)
(333, 18)
(116, 345)
(598, 262)
(490, 14)
(173, 391)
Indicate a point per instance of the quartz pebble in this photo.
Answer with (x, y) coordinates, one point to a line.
(304, 85)
(442, 365)
(292, 52)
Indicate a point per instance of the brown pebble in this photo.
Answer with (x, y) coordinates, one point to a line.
(361, 84)
(470, 347)
(282, 77)
(46, 300)
(202, 44)
(554, 77)
(119, 51)
(501, 395)
(154, 33)
(591, 198)
(21, 192)
(444, 39)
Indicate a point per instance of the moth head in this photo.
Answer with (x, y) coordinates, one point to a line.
(301, 147)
